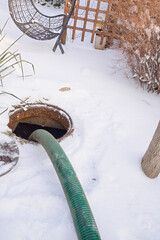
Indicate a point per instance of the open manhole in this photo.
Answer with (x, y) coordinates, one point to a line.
(25, 119)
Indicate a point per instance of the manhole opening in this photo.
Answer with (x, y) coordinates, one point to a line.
(24, 130)
(26, 119)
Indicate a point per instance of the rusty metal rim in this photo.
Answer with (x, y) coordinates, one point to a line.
(43, 110)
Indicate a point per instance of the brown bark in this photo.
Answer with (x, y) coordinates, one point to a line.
(151, 160)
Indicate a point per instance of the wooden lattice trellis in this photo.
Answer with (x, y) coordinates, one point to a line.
(86, 18)
(107, 13)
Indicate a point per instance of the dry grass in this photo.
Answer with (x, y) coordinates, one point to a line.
(9, 59)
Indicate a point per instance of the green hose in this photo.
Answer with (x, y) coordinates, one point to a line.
(83, 219)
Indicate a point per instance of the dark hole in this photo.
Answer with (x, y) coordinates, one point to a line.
(24, 130)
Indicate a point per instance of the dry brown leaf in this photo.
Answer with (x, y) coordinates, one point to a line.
(64, 89)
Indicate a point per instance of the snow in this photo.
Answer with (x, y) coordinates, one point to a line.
(114, 120)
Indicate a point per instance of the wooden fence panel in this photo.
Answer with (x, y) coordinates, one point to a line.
(75, 19)
(96, 19)
(86, 18)
(91, 16)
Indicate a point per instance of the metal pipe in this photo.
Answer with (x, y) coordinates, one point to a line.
(58, 41)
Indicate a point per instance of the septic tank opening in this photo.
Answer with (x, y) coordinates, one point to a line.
(25, 119)
(24, 130)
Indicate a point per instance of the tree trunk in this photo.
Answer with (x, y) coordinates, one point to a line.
(151, 160)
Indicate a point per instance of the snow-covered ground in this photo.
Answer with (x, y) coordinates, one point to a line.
(114, 120)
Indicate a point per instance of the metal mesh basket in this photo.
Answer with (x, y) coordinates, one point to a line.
(32, 22)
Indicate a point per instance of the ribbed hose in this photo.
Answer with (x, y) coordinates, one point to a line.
(83, 219)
